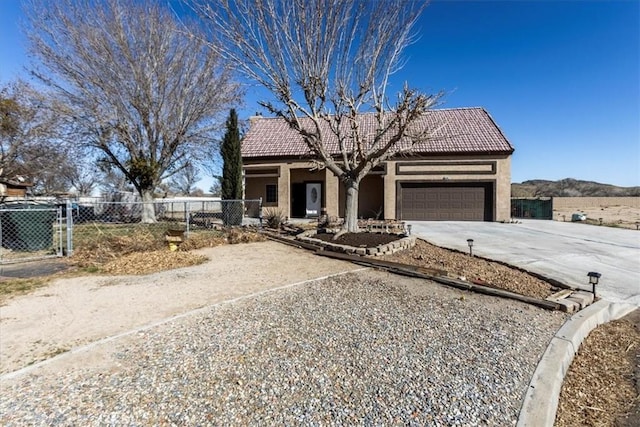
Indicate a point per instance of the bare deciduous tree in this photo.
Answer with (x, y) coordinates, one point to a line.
(325, 62)
(32, 147)
(184, 181)
(23, 120)
(52, 165)
(83, 177)
(216, 187)
(112, 181)
(138, 88)
(12, 135)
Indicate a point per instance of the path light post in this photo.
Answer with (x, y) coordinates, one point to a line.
(470, 243)
(593, 280)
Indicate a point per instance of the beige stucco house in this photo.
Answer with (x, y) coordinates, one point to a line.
(462, 173)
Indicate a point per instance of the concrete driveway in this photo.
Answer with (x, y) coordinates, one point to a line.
(561, 250)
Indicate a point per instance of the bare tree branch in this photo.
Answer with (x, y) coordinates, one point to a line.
(327, 61)
(138, 88)
(184, 181)
(32, 145)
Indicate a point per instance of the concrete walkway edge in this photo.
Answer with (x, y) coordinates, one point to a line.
(541, 400)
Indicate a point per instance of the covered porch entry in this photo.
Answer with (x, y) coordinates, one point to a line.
(308, 193)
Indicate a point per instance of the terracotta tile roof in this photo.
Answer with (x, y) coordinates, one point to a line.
(456, 130)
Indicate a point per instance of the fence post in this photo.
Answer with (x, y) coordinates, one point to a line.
(186, 218)
(59, 249)
(1, 239)
(69, 228)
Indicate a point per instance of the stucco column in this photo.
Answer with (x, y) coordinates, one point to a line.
(284, 190)
(503, 189)
(332, 191)
(390, 191)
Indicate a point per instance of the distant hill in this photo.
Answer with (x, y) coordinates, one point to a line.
(570, 188)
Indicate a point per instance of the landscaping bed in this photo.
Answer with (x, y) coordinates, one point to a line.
(456, 264)
(473, 269)
(364, 243)
(359, 240)
(602, 386)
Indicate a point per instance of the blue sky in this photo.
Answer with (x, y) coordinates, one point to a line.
(561, 78)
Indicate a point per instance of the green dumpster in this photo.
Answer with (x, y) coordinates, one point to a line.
(27, 227)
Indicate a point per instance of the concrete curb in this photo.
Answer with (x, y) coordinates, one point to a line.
(541, 400)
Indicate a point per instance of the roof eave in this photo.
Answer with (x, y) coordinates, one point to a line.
(277, 158)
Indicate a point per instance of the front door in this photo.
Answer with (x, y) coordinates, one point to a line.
(298, 200)
(314, 199)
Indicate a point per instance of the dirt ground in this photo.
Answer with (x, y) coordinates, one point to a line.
(72, 312)
(614, 216)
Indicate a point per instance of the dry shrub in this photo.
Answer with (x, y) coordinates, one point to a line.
(143, 251)
(151, 262)
(274, 217)
(205, 239)
(107, 247)
(209, 239)
(236, 235)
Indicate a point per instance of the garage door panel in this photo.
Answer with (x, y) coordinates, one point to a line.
(439, 202)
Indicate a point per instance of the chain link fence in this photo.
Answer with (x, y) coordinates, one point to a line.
(31, 231)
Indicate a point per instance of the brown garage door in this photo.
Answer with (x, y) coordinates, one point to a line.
(445, 202)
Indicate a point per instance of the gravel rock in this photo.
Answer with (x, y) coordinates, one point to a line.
(371, 348)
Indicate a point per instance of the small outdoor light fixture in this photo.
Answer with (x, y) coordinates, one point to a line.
(409, 229)
(470, 243)
(593, 280)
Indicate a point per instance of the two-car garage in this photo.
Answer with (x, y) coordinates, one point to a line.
(460, 201)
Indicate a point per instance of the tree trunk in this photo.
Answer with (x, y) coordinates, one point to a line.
(148, 209)
(351, 207)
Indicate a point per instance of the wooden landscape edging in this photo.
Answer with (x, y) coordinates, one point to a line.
(418, 272)
(292, 242)
(549, 280)
(412, 271)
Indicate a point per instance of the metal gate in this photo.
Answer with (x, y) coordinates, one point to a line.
(536, 208)
(30, 232)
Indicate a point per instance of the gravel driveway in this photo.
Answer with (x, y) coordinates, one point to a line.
(358, 348)
(76, 311)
